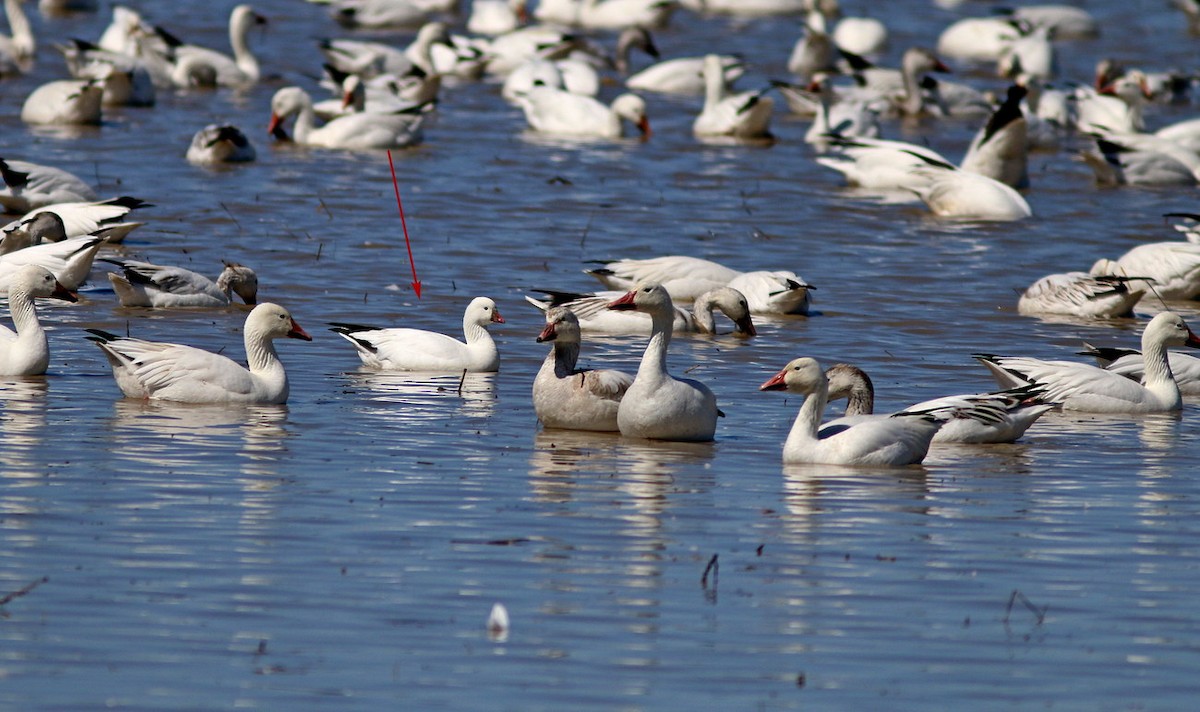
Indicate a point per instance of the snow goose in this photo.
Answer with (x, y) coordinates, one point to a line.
(17, 49)
(1088, 388)
(592, 313)
(565, 396)
(1174, 267)
(879, 164)
(682, 76)
(363, 131)
(417, 350)
(871, 441)
(65, 102)
(69, 261)
(173, 372)
(1001, 417)
(606, 14)
(815, 50)
(123, 32)
(1096, 294)
(512, 49)
(220, 143)
(1116, 107)
(1140, 159)
(657, 405)
(743, 115)
(87, 218)
(849, 118)
(1000, 149)
(1031, 54)
(30, 185)
(45, 226)
(388, 13)
(577, 72)
(978, 39)
(1130, 364)
(1064, 22)
(949, 192)
(25, 352)
(495, 17)
(142, 284)
(686, 278)
(240, 69)
(561, 113)
(863, 36)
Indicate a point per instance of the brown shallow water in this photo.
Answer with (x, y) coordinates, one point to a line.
(344, 550)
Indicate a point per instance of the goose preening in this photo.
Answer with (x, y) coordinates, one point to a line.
(657, 405)
(220, 143)
(173, 372)
(17, 49)
(1097, 294)
(560, 113)
(815, 51)
(1000, 149)
(87, 218)
(143, 284)
(1088, 388)
(28, 186)
(65, 102)
(362, 132)
(69, 261)
(872, 441)
(25, 351)
(400, 349)
(686, 278)
(239, 69)
(741, 115)
(565, 396)
(1000, 417)
(591, 312)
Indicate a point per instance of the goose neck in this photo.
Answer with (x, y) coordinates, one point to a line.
(654, 360)
(24, 314)
(239, 28)
(260, 352)
(808, 420)
(565, 356)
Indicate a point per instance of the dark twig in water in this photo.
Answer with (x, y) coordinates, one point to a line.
(461, 381)
(23, 590)
(320, 246)
(325, 207)
(230, 214)
(1039, 613)
(714, 568)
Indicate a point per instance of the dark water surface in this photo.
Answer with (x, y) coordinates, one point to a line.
(343, 551)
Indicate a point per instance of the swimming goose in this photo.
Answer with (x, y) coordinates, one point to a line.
(742, 115)
(220, 143)
(69, 261)
(142, 284)
(31, 185)
(1174, 267)
(657, 405)
(237, 70)
(1117, 107)
(1088, 388)
(173, 372)
(25, 352)
(978, 39)
(87, 218)
(65, 102)
(495, 17)
(863, 36)
(17, 49)
(815, 50)
(950, 192)
(871, 441)
(1130, 364)
(1001, 417)
(592, 313)
(606, 14)
(1140, 159)
(682, 76)
(686, 278)
(1101, 293)
(417, 350)
(577, 72)
(45, 226)
(573, 398)
(561, 113)
(388, 13)
(1000, 149)
(880, 164)
(847, 119)
(364, 131)
(369, 59)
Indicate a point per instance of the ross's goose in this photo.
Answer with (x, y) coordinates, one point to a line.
(240, 69)
(364, 131)
(657, 405)
(417, 350)
(173, 372)
(17, 49)
(69, 261)
(1096, 294)
(65, 102)
(142, 284)
(25, 352)
(30, 185)
(560, 113)
(741, 115)
(565, 396)
(220, 143)
(1000, 417)
(871, 441)
(1088, 388)
(592, 313)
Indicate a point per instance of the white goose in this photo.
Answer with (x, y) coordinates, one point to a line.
(142, 284)
(1101, 293)
(418, 350)
(560, 113)
(87, 218)
(25, 352)
(1000, 149)
(682, 76)
(847, 118)
(606, 14)
(592, 313)
(495, 17)
(1001, 417)
(173, 372)
(388, 13)
(65, 102)
(577, 72)
(1140, 159)
(657, 405)
(1174, 267)
(69, 261)
(962, 195)
(883, 165)
(743, 115)
(1088, 388)
(43, 227)
(17, 49)
(361, 132)
(978, 39)
(237, 70)
(870, 441)
(1130, 364)
(863, 36)
(369, 59)
(1118, 106)
(815, 51)
(220, 143)
(565, 396)
(30, 185)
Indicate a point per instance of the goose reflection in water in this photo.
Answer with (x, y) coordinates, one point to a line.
(415, 396)
(809, 490)
(23, 425)
(191, 438)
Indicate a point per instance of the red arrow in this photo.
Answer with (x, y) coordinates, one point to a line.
(416, 283)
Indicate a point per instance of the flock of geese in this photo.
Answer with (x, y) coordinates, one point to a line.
(552, 71)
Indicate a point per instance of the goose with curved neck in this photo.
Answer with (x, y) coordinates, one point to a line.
(592, 313)
(360, 131)
(980, 418)
(240, 69)
(25, 351)
(69, 261)
(658, 405)
(17, 49)
(744, 115)
(173, 372)
(870, 441)
(565, 396)
(1084, 387)
(561, 113)
(419, 350)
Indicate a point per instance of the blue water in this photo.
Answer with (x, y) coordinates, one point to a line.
(343, 551)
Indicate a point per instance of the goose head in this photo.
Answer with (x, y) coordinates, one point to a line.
(733, 304)
(845, 379)
(803, 376)
(561, 325)
(649, 297)
(37, 281)
(633, 38)
(1169, 329)
(241, 279)
(481, 312)
(274, 322)
(632, 108)
(286, 102)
